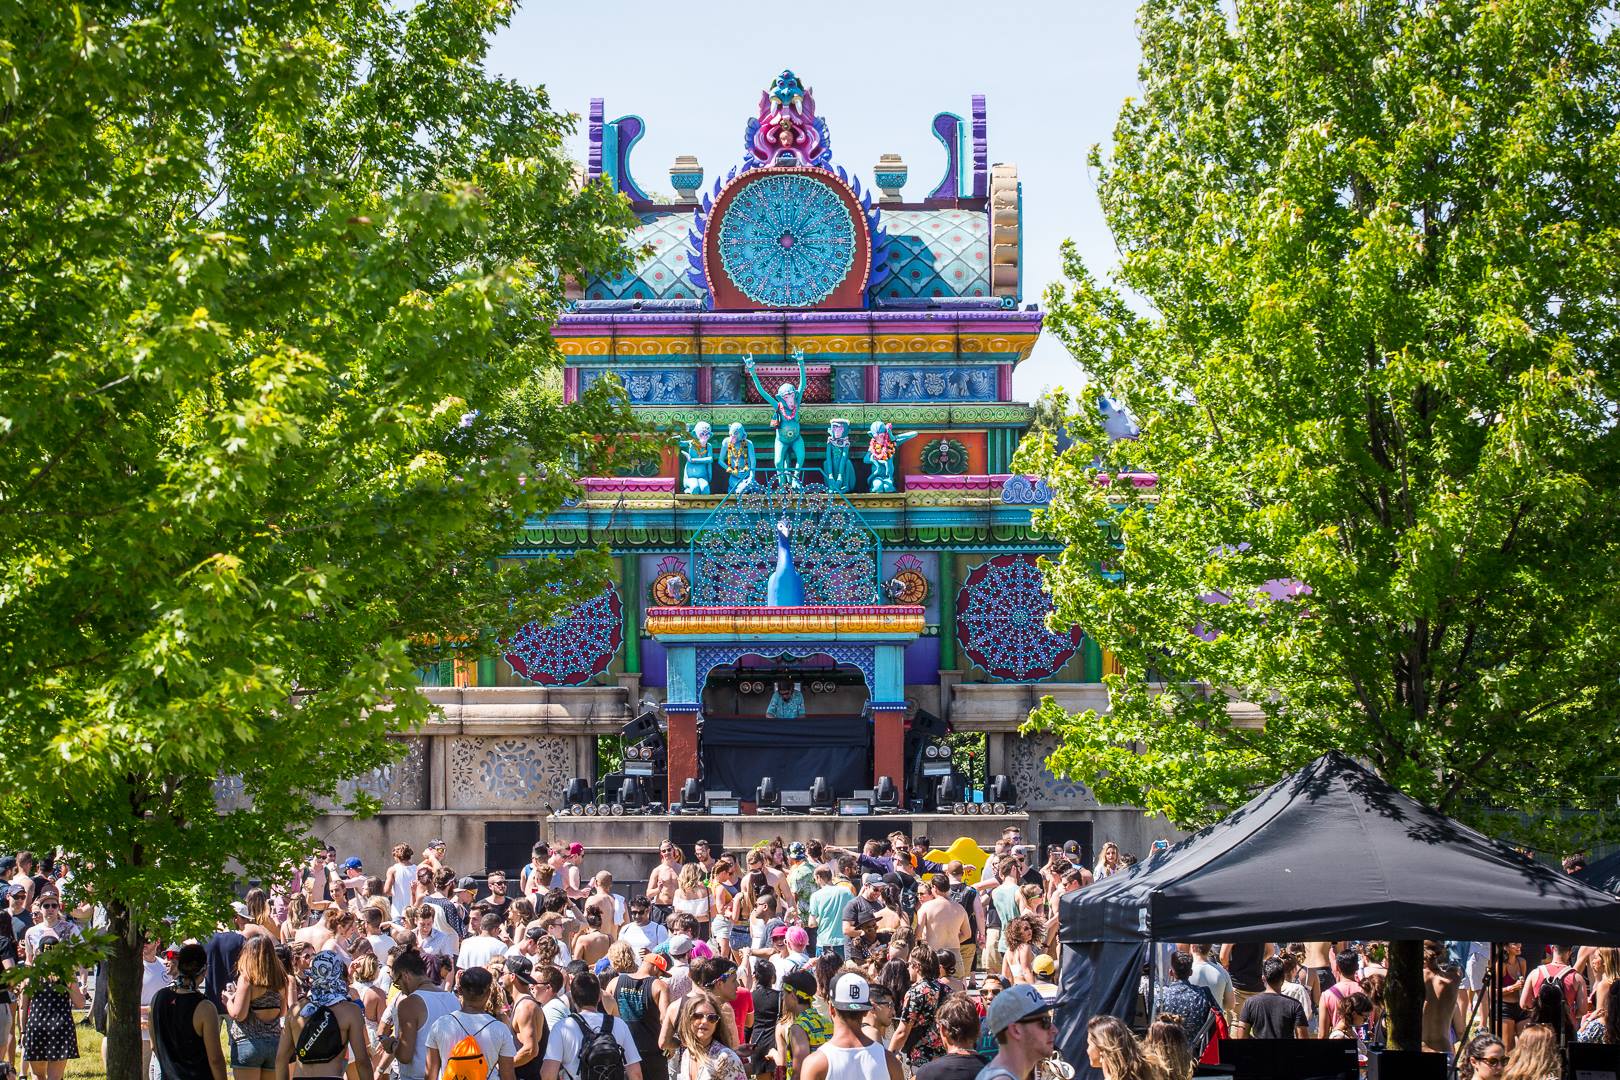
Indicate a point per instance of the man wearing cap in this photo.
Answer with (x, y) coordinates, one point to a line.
(861, 917)
(679, 948)
(800, 1029)
(528, 1018)
(1020, 1018)
(466, 893)
(571, 884)
(801, 880)
(1045, 969)
(849, 1054)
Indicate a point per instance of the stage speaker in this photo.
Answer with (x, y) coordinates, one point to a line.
(1598, 1060)
(1061, 832)
(686, 832)
(1403, 1065)
(643, 725)
(507, 845)
(926, 723)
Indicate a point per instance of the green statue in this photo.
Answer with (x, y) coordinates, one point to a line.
(880, 454)
(838, 469)
(785, 419)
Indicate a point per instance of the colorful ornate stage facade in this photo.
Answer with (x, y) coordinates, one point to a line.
(840, 515)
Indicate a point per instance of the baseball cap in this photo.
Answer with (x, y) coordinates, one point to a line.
(1071, 847)
(520, 965)
(240, 908)
(796, 850)
(658, 962)
(680, 945)
(701, 951)
(1019, 1001)
(851, 993)
(467, 884)
(871, 879)
(8, 862)
(352, 863)
(535, 933)
(1044, 965)
(779, 932)
(576, 848)
(435, 843)
(16, 889)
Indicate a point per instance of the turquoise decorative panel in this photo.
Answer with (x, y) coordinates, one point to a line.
(674, 387)
(943, 253)
(658, 275)
(943, 382)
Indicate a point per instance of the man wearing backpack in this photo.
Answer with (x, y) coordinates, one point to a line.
(470, 1044)
(589, 1044)
(1552, 991)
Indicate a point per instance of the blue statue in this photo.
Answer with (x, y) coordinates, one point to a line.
(838, 470)
(880, 454)
(785, 419)
(737, 455)
(786, 588)
(699, 457)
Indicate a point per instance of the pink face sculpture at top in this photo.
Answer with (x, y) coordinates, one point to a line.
(787, 126)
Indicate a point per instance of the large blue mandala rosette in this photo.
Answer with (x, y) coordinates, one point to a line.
(787, 241)
(574, 646)
(1001, 621)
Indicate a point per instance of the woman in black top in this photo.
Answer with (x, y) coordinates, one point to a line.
(767, 1010)
(185, 1024)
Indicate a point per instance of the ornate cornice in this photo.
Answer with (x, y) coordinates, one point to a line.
(830, 622)
(942, 417)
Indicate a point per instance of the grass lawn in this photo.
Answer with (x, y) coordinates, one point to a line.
(88, 1063)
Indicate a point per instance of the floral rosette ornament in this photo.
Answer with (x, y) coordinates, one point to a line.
(1001, 621)
(574, 646)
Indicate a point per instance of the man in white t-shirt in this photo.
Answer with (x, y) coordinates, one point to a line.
(494, 1037)
(641, 933)
(477, 952)
(565, 1041)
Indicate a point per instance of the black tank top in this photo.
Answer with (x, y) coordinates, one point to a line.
(638, 1010)
(179, 1048)
(530, 1070)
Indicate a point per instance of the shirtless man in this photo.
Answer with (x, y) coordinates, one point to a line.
(942, 923)
(602, 901)
(703, 857)
(1441, 982)
(1319, 962)
(571, 884)
(664, 880)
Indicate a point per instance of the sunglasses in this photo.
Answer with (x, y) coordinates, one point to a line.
(1492, 1060)
(50, 906)
(706, 1017)
(1044, 1021)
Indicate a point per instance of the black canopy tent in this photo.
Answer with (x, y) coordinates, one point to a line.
(1603, 874)
(1331, 852)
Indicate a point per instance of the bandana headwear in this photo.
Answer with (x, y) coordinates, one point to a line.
(328, 980)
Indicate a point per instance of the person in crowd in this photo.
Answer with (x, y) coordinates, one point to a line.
(1348, 964)
(1111, 1048)
(433, 856)
(573, 858)
(1442, 980)
(704, 1052)
(429, 938)
(917, 1035)
(535, 877)
(568, 1038)
(1556, 1007)
(1020, 1020)
(327, 1027)
(255, 1002)
(474, 1017)
(591, 943)
(185, 1024)
(848, 1054)
(365, 971)
(941, 922)
(1166, 1047)
(664, 881)
(1109, 862)
(49, 1039)
(1484, 1058)
(486, 945)
(1018, 965)
(640, 997)
(959, 1031)
(693, 897)
(528, 1017)
(827, 906)
(1271, 1014)
(880, 1019)
(1193, 1004)
(1603, 1025)
(1536, 1056)
(800, 1028)
(1293, 985)
(1354, 1013)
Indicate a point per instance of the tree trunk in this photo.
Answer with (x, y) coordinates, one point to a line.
(123, 996)
(1403, 996)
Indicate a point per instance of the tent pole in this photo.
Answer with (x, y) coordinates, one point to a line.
(1496, 989)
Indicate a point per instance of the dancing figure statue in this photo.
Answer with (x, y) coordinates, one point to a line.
(699, 457)
(880, 453)
(737, 456)
(786, 587)
(785, 419)
(838, 470)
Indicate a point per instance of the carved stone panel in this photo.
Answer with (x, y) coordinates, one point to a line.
(402, 785)
(1037, 788)
(507, 772)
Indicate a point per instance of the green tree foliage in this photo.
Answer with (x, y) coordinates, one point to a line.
(278, 389)
(1365, 315)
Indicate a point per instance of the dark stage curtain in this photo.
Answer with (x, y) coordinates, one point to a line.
(737, 752)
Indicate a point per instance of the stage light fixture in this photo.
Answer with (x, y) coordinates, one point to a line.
(618, 809)
(959, 808)
(932, 752)
(999, 808)
(692, 799)
(949, 791)
(577, 791)
(821, 796)
(885, 796)
(1001, 790)
(767, 799)
(632, 794)
(591, 809)
(576, 809)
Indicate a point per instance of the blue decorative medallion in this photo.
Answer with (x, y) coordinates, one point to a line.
(787, 241)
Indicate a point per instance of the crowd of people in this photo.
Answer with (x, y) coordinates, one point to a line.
(787, 961)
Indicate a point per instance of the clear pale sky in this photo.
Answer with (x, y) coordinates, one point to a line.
(1054, 75)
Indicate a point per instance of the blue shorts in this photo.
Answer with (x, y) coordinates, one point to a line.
(250, 1053)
